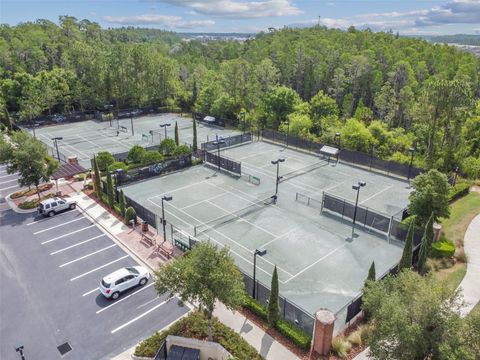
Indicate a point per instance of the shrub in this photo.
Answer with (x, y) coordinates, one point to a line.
(130, 214)
(117, 165)
(195, 326)
(457, 191)
(167, 147)
(104, 159)
(255, 307)
(341, 347)
(32, 204)
(151, 157)
(181, 150)
(80, 177)
(135, 154)
(355, 338)
(461, 256)
(471, 167)
(90, 186)
(117, 209)
(442, 249)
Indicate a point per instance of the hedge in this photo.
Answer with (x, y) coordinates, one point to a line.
(443, 249)
(287, 329)
(457, 191)
(195, 326)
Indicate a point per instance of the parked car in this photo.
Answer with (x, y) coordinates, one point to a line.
(123, 279)
(55, 205)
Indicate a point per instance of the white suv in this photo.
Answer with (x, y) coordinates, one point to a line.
(53, 206)
(121, 280)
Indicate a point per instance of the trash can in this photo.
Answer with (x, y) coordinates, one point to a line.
(144, 226)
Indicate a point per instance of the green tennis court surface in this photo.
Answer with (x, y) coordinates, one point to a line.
(319, 265)
(84, 139)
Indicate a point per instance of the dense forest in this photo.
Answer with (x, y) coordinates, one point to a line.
(383, 93)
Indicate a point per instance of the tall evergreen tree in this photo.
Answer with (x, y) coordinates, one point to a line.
(427, 241)
(177, 140)
(194, 141)
(407, 256)
(371, 273)
(98, 181)
(273, 307)
(110, 195)
(122, 203)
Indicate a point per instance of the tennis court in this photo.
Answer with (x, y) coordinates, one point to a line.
(319, 265)
(84, 139)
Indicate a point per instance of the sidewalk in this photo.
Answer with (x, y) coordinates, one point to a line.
(268, 347)
(470, 285)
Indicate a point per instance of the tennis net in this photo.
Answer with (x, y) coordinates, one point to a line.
(225, 219)
(304, 170)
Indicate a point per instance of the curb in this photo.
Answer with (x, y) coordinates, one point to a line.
(15, 208)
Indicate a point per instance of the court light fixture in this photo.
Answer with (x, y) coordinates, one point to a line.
(219, 141)
(278, 177)
(262, 252)
(164, 222)
(164, 126)
(55, 139)
(356, 187)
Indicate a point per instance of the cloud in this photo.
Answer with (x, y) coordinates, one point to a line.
(169, 22)
(236, 9)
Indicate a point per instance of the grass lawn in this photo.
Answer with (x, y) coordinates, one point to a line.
(475, 310)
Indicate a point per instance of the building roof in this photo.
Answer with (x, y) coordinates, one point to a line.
(68, 170)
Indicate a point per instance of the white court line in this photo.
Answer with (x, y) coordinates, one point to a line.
(180, 188)
(278, 237)
(91, 291)
(316, 262)
(74, 245)
(201, 201)
(86, 256)
(62, 236)
(10, 187)
(378, 193)
(56, 226)
(125, 298)
(138, 317)
(91, 142)
(243, 219)
(98, 268)
(47, 219)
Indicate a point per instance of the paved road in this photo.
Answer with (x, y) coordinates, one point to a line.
(50, 271)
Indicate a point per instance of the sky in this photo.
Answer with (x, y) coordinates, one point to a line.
(408, 17)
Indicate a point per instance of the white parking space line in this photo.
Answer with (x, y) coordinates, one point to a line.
(86, 256)
(74, 245)
(56, 226)
(98, 268)
(138, 317)
(8, 181)
(125, 298)
(10, 187)
(91, 291)
(70, 233)
(48, 219)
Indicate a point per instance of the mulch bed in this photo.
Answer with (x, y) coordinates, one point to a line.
(32, 191)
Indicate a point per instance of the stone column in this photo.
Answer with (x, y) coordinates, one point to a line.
(323, 331)
(437, 229)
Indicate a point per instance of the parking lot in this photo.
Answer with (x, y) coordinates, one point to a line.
(8, 185)
(50, 272)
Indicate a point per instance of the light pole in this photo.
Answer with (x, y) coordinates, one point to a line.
(278, 178)
(242, 114)
(164, 222)
(288, 132)
(34, 125)
(55, 139)
(131, 123)
(218, 142)
(412, 152)
(165, 127)
(337, 139)
(259, 253)
(356, 187)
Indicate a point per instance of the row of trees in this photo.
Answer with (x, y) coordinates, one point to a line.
(413, 92)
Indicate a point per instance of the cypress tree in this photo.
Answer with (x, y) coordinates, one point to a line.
(194, 142)
(110, 196)
(98, 181)
(123, 202)
(427, 241)
(177, 140)
(407, 255)
(371, 273)
(273, 307)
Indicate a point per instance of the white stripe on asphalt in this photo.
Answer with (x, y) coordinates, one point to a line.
(70, 233)
(4, 182)
(98, 268)
(48, 219)
(56, 226)
(125, 298)
(88, 255)
(91, 291)
(10, 187)
(80, 243)
(138, 317)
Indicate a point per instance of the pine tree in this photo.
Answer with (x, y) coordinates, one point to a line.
(273, 307)
(98, 181)
(123, 202)
(371, 273)
(177, 140)
(406, 260)
(427, 241)
(194, 142)
(110, 196)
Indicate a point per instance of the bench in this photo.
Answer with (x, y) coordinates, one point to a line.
(168, 253)
(148, 240)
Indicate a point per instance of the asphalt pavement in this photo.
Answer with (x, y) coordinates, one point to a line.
(50, 269)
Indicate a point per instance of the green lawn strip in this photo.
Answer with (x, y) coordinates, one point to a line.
(195, 326)
(475, 310)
